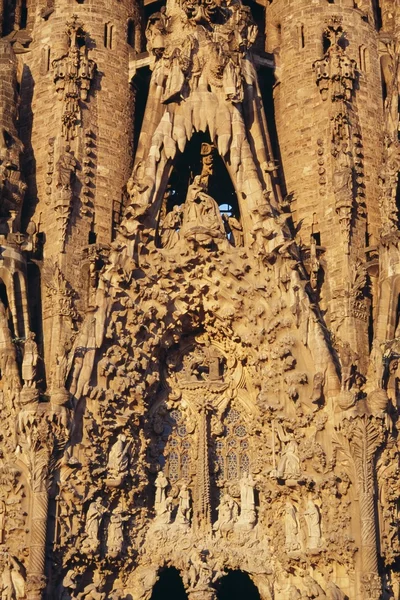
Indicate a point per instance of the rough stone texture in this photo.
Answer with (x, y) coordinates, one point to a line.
(199, 336)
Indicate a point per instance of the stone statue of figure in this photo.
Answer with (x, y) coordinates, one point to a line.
(342, 179)
(162, 504)
(184, 511)
(12, 580)
(348, 360)
(227, 515)
(118, 458)
(30, 360)
(247, 506)
(93, 519)
(202, 220)
(289, 464)
(291, 528)
(312, 517)
(66, 166)
(59, 374)
(234, 229)
(170, 228)
(115, 534)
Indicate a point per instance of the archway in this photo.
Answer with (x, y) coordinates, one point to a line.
(169, 586)
(237, 585)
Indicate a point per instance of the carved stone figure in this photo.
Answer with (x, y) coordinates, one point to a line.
(118, 459)
(247, 505)
(184, 510)
(170, 228)
(115, 534)
(202, 221)
(162, 504)
(348, 361)
(228, 511)
(312, 518)
(12, 579)
(94, 517)
(289, 463)
(30, 360)
(292, 542)
(66, 167)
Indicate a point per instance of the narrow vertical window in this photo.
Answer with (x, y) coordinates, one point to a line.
(108, 35)
(24, 15)
(302, 42)
(130, 36)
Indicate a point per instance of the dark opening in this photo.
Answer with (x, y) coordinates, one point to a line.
(189, 164)
(130, 34)
(302, 38)
(92, 237)
(237, 586)
(8, 16)
(169, 586)
(141, 85)
(377, 14)
(24, 15)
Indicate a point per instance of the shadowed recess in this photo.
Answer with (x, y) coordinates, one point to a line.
(169, 586)
(237, 586)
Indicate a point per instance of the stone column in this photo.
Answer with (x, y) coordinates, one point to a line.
(365, 434)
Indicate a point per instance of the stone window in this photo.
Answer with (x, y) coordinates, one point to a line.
(108, 35)
(232, 451)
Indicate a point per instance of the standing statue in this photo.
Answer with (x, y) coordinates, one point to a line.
(30, 360)
(234, 229)
(162, 504)
(289, 464)
(291, 528)
(184, 511)
(247, 506)
(348, 360)
(312, 517)
(66, 166)
(118, 459)
(93, 519)
(227, 515)
(115, 534)
(59, 374)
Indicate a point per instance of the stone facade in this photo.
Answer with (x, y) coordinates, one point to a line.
(199, 299)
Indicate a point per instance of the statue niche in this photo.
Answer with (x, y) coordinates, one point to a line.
(201, 220)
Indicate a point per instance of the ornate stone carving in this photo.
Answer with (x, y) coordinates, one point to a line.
(73, 74)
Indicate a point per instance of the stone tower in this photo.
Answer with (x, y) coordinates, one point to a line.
(199, 299)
